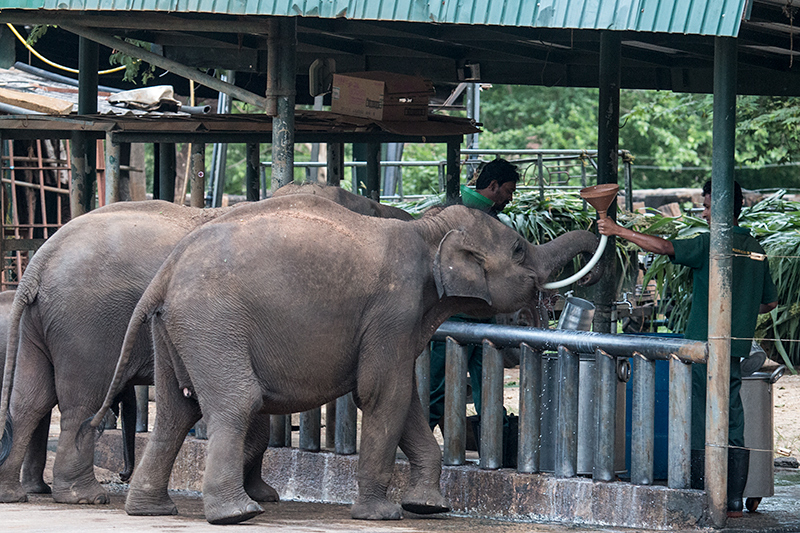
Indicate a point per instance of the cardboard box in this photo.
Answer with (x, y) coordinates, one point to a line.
(379, 95)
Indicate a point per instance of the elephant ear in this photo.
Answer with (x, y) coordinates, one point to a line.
(458, 268)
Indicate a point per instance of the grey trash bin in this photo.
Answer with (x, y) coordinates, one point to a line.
(757, 401)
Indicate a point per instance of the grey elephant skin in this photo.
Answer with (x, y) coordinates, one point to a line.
(282, 307)
(76, 299)
(66, 328)
(353, 202)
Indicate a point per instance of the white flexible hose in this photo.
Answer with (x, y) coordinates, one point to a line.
(582, 272)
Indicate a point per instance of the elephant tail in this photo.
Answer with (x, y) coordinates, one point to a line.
(25, 294)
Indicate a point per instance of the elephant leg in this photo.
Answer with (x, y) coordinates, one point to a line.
(234, 399)
(384, 399)
(32, 399)
(175, 415)
(255, 446)
(423, 495)
(73, 470)
(36, 459)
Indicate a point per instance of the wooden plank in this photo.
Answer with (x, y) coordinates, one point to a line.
(35, 102)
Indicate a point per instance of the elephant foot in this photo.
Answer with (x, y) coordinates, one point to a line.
(375, 509)
(425, 500)
(37, 487)
(140, 504)
(222, 513)
(12, 493)
(261, 491)
(96, 496)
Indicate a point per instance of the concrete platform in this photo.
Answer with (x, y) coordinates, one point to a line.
(502, 494)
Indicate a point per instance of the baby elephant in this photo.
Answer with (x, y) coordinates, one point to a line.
(281, 307)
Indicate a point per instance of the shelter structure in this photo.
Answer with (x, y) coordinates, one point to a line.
(725, 47)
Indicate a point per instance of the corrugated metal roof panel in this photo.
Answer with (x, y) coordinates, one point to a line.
(706, 17)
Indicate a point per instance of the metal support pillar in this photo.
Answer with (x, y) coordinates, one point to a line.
(281, 88)
(373, 172)
(607, 150)
(422, 370)
(642, 420)
(453, 174)
(112, 170)
(278, 436)
(80, 193)
(455, 401)
(142, 408)
(605, 410)
(310, 426)
(346, 418)
(197, 173)
(335, 163)
(252, 173)
(491, 444)
(359, 173)
(167, 168)
(680, 418)
(719, 279)
(330, 424)
(566, 456)
(530, 407)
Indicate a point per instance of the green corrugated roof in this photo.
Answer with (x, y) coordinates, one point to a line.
(704, 17)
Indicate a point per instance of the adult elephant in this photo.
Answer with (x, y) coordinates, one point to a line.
(66, 327)
(68, 322)
(322, 303)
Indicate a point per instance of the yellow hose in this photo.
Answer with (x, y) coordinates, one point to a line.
(56, 65)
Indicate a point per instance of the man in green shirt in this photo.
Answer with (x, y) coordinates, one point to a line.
(753, 292)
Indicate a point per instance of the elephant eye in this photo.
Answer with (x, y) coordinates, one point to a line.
(518, 254)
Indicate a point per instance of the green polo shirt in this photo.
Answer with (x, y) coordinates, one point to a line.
(752, 285)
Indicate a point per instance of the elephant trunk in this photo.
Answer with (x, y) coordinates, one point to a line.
(557, 253)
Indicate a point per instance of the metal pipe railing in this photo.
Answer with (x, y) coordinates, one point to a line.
(607, 349)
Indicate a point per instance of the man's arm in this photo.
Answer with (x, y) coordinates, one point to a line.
(649, 243)
(766, 308)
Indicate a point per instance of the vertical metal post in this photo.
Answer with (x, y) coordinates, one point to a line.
(373, 172)
(312, 172)
(330, 424)
(626, 165)
(642, 420)
(607, 156)
(346, 418)
(453, 174)
(167, 168)
(423, 373)
(142, 407)
(219, 151)
(251, 175)
(530, 408)
(283, 121)
(335, 163)
(310, 426)
(197, 173)
(583, 179)
(719, 278)
(277, 431)
(80, 189)
(455, 402)
(491, 408)
(566, 456)
(112, 169)
(680, 423)
(540, 174)
(606, 409)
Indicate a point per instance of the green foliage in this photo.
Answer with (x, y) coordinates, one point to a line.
(134, 67)
(36, 33)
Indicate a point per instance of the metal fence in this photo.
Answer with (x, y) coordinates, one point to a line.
(550, 359)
